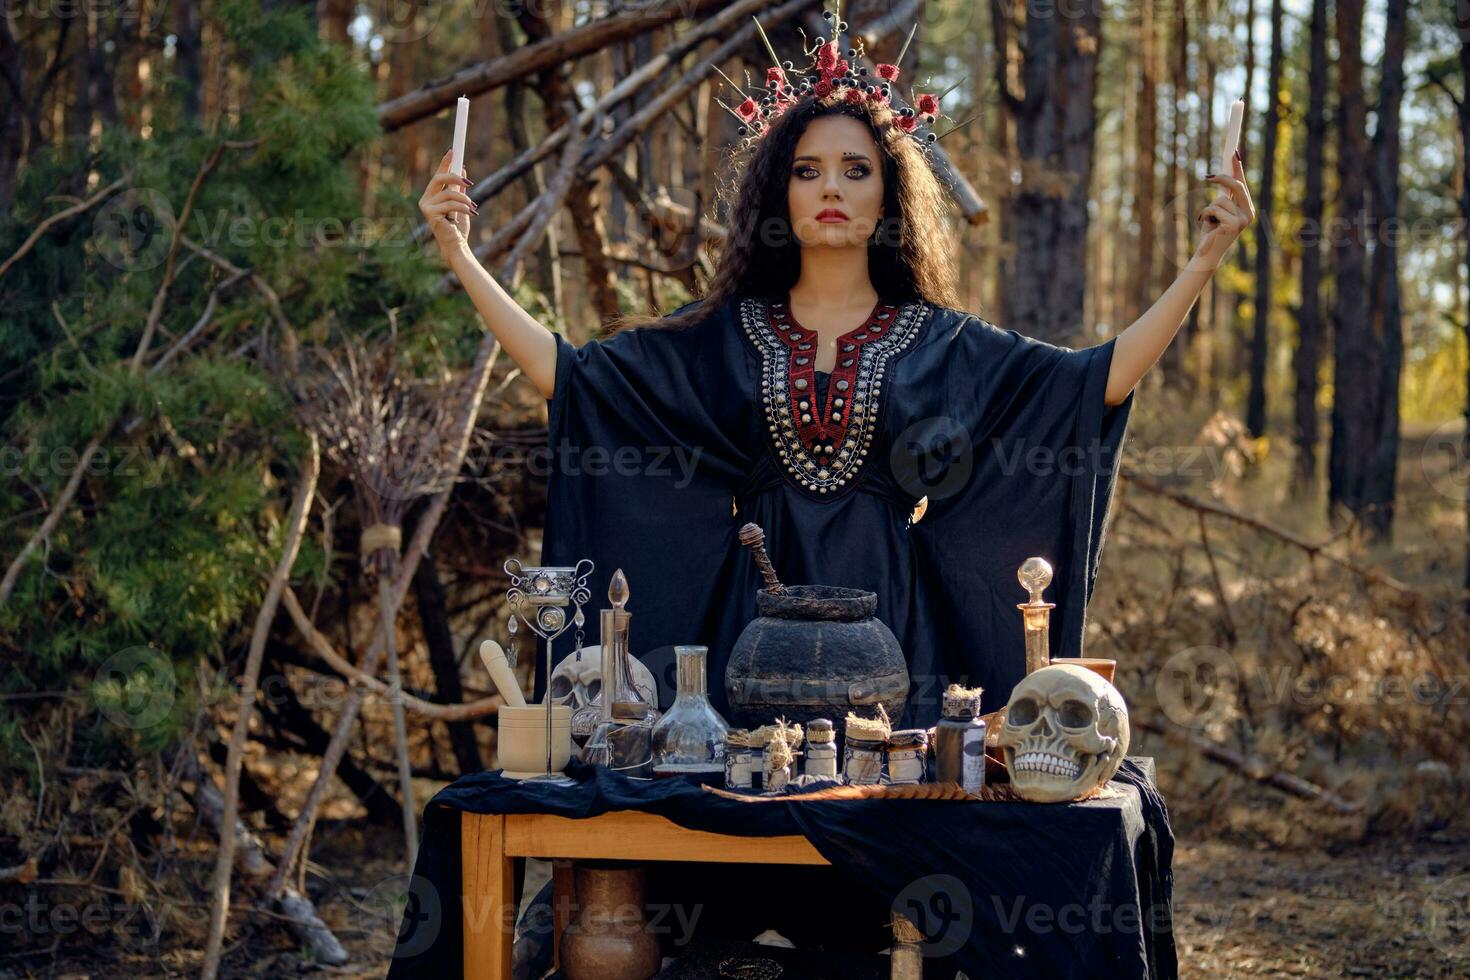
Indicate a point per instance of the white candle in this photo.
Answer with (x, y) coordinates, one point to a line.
(1232, 136)
(461, 118)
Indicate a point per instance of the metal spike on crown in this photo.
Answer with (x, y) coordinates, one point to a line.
(831, 78)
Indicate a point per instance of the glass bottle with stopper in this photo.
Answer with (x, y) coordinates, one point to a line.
(1035, 575)
(622, 705)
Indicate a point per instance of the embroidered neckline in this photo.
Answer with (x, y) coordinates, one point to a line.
(822, 447)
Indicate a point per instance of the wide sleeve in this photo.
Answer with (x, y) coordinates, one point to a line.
(641, 468)
(1027, 467)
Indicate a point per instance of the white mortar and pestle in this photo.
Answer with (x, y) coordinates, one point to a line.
(521, 727)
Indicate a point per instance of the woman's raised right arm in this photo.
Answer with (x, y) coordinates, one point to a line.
(530, 345)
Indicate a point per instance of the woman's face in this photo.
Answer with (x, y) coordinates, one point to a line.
(835, 190)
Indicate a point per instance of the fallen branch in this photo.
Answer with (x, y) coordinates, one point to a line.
(488, 187)
(224, 861)
(251, 860)
(1312, 548)
(569, 45)
(547, 205)
(1254, 768)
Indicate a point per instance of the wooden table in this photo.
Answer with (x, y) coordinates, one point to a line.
(490, 841)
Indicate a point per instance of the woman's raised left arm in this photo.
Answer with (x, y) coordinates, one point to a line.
(1139, 347)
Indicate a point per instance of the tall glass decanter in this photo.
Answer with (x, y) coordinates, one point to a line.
(690, 737)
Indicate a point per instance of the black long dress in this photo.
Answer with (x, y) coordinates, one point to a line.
(663, 443)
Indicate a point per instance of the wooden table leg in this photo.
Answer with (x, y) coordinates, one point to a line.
(488, 878)
(563, 898)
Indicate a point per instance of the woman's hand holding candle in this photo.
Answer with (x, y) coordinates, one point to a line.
(447, 207)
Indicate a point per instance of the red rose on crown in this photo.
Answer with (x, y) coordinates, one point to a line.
(822, 89)
(854, 95)
(776, 75)
(827, 55)
(889, 73)
(747, 110)
(927, 104)
(906, 123)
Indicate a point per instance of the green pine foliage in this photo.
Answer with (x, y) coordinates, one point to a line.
(162, 559)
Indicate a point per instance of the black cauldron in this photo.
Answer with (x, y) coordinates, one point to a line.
(815, 651)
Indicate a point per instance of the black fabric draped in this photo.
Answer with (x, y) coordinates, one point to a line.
(655, 433)
(1016, 890)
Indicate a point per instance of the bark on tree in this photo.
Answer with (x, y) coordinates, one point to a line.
(1307, 359)
(1355, 354)
(1145, 188)
(1462, 13)
(1385, 312)
(1056, 120)
(1255, 412)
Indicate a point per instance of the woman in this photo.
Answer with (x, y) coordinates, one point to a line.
(828, 389)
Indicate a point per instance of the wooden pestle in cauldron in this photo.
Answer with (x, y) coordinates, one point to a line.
(754, 538)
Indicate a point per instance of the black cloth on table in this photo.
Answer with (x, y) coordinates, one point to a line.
(1000, 888)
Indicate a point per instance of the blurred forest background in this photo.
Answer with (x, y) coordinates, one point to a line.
(227, 347)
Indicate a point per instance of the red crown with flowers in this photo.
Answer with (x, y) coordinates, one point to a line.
(831, 79)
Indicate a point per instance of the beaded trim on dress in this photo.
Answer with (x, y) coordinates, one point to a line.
(824, 453)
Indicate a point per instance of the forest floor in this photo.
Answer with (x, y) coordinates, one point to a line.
(1388, 908)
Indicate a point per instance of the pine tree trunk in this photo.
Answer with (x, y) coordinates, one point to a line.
(1386, 316)
(1055, 126)
(1255, 413)
(1147, 141)
(1240, 341)
(1306, 362)
(188, 54)
(1176, 173)
(1462, 14)
(1355, 349)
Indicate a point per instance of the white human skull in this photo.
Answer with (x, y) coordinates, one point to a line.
(1065, 733)
(577, 681)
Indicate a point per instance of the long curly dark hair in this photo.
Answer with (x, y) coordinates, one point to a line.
(910, 257)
